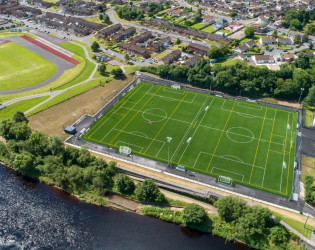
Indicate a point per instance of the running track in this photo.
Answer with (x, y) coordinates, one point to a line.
(51, 50)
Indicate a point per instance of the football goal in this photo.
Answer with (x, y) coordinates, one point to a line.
(175, 86)
(225, 180)
(124, 150)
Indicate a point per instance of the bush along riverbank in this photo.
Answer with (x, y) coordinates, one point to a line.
(46, 159)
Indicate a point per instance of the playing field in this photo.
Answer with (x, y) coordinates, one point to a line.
(20, 67)
(252, 144)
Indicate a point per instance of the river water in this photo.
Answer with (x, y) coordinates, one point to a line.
(36, 216)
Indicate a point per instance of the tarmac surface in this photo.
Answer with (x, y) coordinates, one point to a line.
(61, 65)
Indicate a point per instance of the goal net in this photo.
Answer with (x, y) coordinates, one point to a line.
(225, 180)
(124, 150)
(175, 86)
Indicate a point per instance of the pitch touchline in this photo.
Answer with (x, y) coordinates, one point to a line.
(241, 113)
(285, 144)
(105, 120)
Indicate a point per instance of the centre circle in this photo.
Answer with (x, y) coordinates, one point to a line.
(240, 135)
(154, 115)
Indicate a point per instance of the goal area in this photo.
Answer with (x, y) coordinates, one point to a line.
(225, 180)
(124, 150)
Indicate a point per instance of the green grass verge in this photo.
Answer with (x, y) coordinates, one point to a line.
(309, 117)
(231, 61)
(131, 69)
(252, 144)
(22, 106)
(298, 226)
(5, 33)
(69, 94)
(161, 55)
(20, 67)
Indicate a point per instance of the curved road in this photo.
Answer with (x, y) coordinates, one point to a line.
(61, 65)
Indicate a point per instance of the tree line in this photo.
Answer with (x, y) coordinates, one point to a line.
(129, 13)
(297, 20)
(247, 80)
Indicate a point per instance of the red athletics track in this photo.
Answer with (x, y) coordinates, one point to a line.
(51, 50)
(4, 42)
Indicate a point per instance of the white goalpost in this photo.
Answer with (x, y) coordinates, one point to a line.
(225, 180)
(175, 86)
(124, 150)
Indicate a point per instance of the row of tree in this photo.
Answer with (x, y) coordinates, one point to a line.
(129, 13)
(297, 20)
(247, 80)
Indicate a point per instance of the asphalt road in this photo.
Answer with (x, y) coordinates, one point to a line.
(61, 65)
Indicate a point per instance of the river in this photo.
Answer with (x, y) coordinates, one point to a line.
(36, 216)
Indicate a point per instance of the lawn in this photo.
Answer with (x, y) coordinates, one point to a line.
(94, 19)
(231, 61)
(251, 144)
(22, 106)
(131, 69)
(309, 118)
(20, 67)
(209, 29)
(161, 55)
(197, 26)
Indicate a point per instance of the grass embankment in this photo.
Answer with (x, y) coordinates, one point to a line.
(5, 33)
(309, 118)
(22, 106)
(131, 69)
(20, 67)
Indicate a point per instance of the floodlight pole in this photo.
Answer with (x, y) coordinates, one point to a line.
(302, 89)
(168, 155)
(211, 73)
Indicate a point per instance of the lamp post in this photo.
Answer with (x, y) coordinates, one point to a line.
(211, 73)
(302, 89)
(168, 155)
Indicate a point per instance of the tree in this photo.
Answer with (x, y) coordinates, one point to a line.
(127, 58)
(19, 117)
(101, 17)
(106, 18)
(117, 72)
(295, 24)
(302, 61)
(95, 46)
(310, 98)
(23, 163)
(230, 208)
(178, 41)
(194, 215)
(233, 13)
(275, 34)
(102, 69)
(124, 184)
(149, 191)
(37, 144)
(297, 39)
(278, 235)
(249, 31)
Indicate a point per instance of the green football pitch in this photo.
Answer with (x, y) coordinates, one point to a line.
(20, 67)
(253, 145)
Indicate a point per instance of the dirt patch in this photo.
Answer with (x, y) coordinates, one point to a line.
(54, 119)
(308, 165)
(290, 104)
(123, 202)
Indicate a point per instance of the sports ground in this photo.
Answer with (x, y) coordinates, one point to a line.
(253, 145)
(20, 67)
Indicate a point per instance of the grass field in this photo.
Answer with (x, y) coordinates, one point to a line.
(209, 29)
(20, 67)
(22, 106)
(197, 26)
(254, 145)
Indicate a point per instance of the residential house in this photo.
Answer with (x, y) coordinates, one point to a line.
(176, 12)
(267, 40)
(261, 59)
(234, 27)
(220, 23)
(198, 48)
(134, 49)
(142, 37)
(172, 57)
(242, 56)
(110, 30)
(208, 19)
(117, 37)
(287, 57)
(241, 49)
(160, 44)
(309, 54)
(285, 41)
(191, 62)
